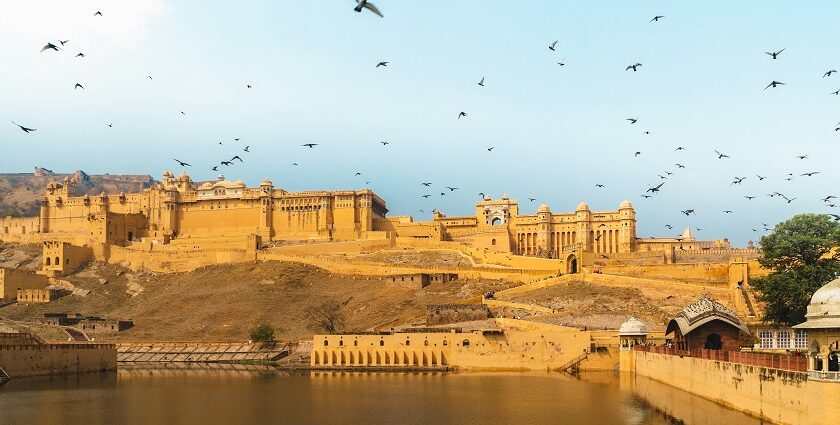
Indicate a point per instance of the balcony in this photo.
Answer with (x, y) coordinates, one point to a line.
(818, 375)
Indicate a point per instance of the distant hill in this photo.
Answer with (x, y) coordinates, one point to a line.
(20, 194)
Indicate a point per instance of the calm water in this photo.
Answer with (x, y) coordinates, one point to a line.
(263, 396)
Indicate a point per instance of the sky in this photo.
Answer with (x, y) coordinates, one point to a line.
(556, 131)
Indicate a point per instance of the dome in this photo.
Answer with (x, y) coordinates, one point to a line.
(205, 185)
(701, 312)
(582, 207)
(487, 198)
(632, 327)
(543, 208)
(266, 182)
(625, 204)
(824, 309)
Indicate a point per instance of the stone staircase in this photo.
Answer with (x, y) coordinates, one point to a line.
(572, 365)
(4, 377)
(748, 302)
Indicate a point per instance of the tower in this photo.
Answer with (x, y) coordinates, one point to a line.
(266, 207)
(627, 231)
(583, 217)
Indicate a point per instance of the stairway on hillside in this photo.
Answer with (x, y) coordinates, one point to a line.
(748, 302)
(4, 377)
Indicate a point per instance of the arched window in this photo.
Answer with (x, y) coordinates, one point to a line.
(57, 261)
(833, 363)
(48, 261)
(493, 242)
(340, 343)
(381, 343)
(713, 342)
(426, 342)
(445, 342)
(407, 342)
(326, 343)
(496, 221)
(765, 339)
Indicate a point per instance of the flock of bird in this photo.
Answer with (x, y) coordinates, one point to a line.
(651, 190)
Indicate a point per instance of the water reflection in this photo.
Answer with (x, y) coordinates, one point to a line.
(262, 395)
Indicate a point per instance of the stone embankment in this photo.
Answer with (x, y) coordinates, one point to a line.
(194, 352)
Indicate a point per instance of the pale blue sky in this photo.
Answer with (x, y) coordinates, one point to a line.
(557, 131)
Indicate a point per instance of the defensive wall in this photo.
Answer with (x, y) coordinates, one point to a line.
(22, 358)
(770, 393)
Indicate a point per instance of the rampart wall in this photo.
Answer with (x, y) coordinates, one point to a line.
(57, 359)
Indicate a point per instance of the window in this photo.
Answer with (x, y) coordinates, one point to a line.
(800, 340)
(493, 242)
(783, 339)
(765, 339)
(381, 343)
(407, 342)
(426, 342)
(57, 261)
(466, 343)
(48, 261)
(445, 342)
(326, 343)
(341, 343)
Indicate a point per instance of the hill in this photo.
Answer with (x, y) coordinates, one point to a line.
(20, 194)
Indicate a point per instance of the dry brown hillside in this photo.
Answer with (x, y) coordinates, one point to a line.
(224, 302)
(20, 194)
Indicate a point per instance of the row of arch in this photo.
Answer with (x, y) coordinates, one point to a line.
(605, 241)
(418, 358)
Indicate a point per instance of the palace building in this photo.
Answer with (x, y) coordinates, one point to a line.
(221, 214)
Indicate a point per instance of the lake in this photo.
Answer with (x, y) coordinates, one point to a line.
(260, 395)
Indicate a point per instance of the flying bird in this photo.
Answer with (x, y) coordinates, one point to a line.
(738, 180)
(236, 157)
(679, 148)
(452, 189)
(599, 185)
(720, 155)
(551, 46)
(49, 46)
(688, 212)
(773, 84)
(310, 145)
(836, 92)
(80, 55)
(425, 196)
(669, 226)
(63, 42)
(679, 165)
(801, 157)
(182, 163)
(562, 62)
(462, 114)
(634, 66)
(427, 184)
(632, 120)
(248, 86)
(829, 72)
(364, 4)
(385, 143)
(749, 198)
(215, 168)
(78, 86)
(358, 174)
(727, 211)
(98, 13)
(774, 55)
(637, 154)
(111, 125)
(760, 178)
(656, 18)
(481, 83)
(810, 174)
(490, 148)
(382, 64)
(25, 129)
(532, 199)
(655, 188)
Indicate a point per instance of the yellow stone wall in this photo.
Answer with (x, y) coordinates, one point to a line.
(517, 345)
(57, 359)
(13, 279)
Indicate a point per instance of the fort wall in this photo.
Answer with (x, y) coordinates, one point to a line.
(56, 359)
(772, 394)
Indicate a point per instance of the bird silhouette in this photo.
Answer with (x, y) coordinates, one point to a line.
(382, 64)
(481, 83)
(532, 199)
(462, 114)
(760, 178)
(738, 180)
(425, 196)
(490, 148)
(774, 84)
(80, 55)
(551, 46)
(688, 212)
(63, 42)
(720, 155)
(248, 86)
(679, 165)
(358, 174)
(600, 185)
(828, 198)
(310, 145)
(829, 72)
(385, 143)
(427, 184)
(25, 129)
(656, 188)
(236, 157)
(78, 86)
(633, 67)
(810, 174)
(632, 120)
(182, 163)
(562, 62)
(111, 125)
(452, 189)
(226, 163)
(727, 211)
(656, 18)
(183, 113)
(98, 13)
(215, 168)
(364, 4)
(774, 55)
(637, 154)
(246, 149)
(749, 198)
(49, 46)
(646, 196)
(679, 148)
(669, 226)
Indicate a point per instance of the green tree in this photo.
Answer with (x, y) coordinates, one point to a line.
(262, 333)
(803, 254)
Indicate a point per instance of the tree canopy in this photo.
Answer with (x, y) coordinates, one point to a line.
(262, 333)
(803, 254)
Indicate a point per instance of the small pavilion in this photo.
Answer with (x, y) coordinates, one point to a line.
(707, 324)
(823, 326)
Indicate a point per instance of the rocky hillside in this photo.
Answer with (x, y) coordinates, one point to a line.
(20, 193)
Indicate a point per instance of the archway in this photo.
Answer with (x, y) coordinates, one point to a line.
(713, 342)
(130, 236)
(496, 221)
(571, 264)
